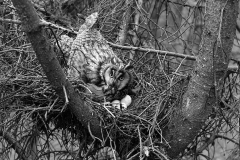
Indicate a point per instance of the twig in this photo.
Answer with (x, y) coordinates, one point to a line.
(15, 145)
(54, 102)
(42, 22)
(108, 110)
(167, 53)
(66, 98)
(10, 21)
(227, 138)
(161, 154)
(140, 143)
(49, 24)
(91, 134)
(210, 140)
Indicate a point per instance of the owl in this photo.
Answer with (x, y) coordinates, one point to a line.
(93, 60)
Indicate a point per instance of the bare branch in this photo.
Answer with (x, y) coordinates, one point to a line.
(227, 138)
(10, 21)
(15, 145)
(166, 53)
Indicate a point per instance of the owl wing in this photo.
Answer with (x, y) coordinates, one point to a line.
(88, 56)
(65, 43)
(88, 52)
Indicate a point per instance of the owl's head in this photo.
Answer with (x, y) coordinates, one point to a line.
(117, 77)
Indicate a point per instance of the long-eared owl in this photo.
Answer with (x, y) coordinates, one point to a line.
(93, 60)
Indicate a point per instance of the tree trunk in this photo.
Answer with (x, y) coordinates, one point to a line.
(47, 58)
(200, 98)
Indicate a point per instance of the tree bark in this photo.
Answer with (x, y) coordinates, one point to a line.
(47, 58)
(198, 100)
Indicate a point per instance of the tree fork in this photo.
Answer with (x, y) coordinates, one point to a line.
(203, 88)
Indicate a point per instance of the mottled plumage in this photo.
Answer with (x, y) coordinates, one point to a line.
(93, 60)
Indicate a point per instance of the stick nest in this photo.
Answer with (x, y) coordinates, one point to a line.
(27, 97)
(26, 90)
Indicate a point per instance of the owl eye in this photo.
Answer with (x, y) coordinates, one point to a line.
(121, 78)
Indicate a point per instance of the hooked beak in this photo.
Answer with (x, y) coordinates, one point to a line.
(110, 88)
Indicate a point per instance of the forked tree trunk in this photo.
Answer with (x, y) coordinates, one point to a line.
(197, 103)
